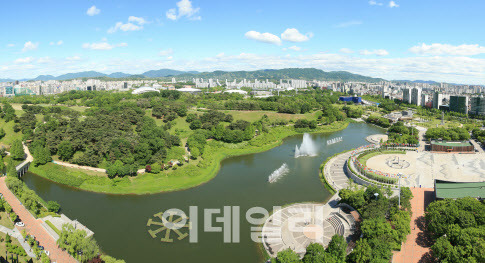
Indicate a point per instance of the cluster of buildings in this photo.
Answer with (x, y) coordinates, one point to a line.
(459, 98)
(8, 89)
(462, 103)
(257, 84)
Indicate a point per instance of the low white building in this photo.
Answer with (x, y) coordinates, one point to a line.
(142, 90)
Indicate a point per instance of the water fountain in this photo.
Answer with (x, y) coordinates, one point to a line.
(307, 147)
(276, 174)
(334, 140)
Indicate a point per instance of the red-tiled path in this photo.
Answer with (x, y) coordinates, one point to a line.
(417, 245)
(33, 227)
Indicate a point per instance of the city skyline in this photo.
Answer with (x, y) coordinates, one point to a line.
(384, 39)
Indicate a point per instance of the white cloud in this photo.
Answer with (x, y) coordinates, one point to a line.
(24, 60)
(446, 49)
(124, 27)
(166, 52)
(393, 4)
(102, 46)
(30, 46)
(372, 2)
(263, 37)
(377, 52)
(11, 45)
(170, 58)
(293, 35)
(349, 23)
(172, 14)
(346, 50)
(139, 20)
(184, 9)
(60, 42)
(44, 60)
(134, 24)
(73, 58)
(92, 11)
(294, 48)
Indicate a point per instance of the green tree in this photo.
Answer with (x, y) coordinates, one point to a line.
(362, 252)
(11, 168)
(65, 150)
(76, 240)
(287, 256)
(41, 156)
(17, 150)
(53, 206)
(314, 253)
(337, 248)
(2, 164)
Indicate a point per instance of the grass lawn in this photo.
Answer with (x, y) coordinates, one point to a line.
(10, 135)
(434, 122)
(363, 158)
(53, 227)
(184, 177)
(5, 220)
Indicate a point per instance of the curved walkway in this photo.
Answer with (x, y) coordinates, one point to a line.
(34, 227)
(334, 171)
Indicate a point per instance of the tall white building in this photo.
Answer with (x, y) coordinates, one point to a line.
(437, 100)
(416, 96)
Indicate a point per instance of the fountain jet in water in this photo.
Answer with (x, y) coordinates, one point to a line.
(307, 147)
(276, 174)
(334, 140)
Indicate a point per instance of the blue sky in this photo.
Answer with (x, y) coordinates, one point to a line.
(401, 39)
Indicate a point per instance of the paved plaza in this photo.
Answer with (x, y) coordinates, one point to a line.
(425, 167)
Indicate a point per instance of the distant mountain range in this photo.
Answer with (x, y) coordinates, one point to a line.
(271, 74)
(419, 81)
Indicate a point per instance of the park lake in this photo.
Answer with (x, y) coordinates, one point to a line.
(120, 221)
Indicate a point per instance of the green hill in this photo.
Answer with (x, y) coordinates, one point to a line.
(289, 73)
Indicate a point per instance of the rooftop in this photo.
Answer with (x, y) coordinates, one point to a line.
(446, 189)
(445, 143)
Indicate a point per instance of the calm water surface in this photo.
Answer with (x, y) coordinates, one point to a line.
(119, 221)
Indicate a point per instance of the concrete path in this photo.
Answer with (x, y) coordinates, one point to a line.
(417, 246)
(334, 171)
(15, 233)
(34, 226)
(100, 170)
(477, 146)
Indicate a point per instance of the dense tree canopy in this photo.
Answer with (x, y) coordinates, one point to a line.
(452, 134)
(458, 226)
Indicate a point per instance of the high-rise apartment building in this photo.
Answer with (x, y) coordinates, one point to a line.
(477, 105)
(406, 95)
(416, 96)
(459, 104)
(437, 100)
(424, 99)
